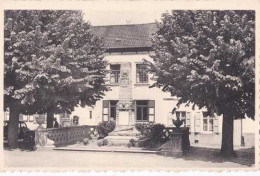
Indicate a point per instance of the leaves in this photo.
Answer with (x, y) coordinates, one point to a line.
(207, 58)
(49, 55)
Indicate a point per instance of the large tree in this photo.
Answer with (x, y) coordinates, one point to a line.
(206, 58)
(52, 63)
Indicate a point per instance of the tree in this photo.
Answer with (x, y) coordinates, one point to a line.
(206, 58)
(52, 63)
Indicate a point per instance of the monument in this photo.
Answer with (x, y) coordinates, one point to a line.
(125, 118)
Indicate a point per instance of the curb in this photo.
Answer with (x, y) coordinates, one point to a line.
(108, 150)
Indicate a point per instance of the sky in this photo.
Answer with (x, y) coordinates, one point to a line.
(102, 17)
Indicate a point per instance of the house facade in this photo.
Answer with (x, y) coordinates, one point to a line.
(131, 101)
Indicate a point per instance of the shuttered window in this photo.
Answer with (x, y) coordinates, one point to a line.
(183, 115)
(145, 110)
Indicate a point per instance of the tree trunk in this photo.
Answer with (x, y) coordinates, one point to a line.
(50, 119)
(13, 128)
(227, 135)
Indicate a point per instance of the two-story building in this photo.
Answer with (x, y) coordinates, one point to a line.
(130, 99)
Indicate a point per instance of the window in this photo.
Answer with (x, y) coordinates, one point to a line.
(25, 118)
(113, 109)
(141, 73)
(142, 110)
(115, 73)
(109, 109)
(183, 115)
(90, 114)
(145, 110)
(207, 121)
(31, 119)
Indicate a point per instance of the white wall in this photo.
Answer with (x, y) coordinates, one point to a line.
(164, 103)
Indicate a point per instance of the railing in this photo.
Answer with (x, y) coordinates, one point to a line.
(63, 136)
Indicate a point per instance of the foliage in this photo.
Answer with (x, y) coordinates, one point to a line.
(151, 134)
(132, 143)
(105, 142)
(206, 58)
(102, 142)
(85, 141)
(129, 145)
(105, 127)
(51, 61)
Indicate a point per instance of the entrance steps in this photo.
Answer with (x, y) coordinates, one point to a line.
(122, 135)
(120, 140)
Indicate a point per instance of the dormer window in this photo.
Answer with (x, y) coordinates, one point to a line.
(115, 73)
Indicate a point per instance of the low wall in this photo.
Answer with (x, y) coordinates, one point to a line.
(62, 136)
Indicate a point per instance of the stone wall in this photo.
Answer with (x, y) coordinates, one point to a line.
(62, 136)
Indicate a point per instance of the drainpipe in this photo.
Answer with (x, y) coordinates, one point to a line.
(242, 137)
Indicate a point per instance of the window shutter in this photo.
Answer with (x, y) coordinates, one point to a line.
(105, 110)
(215, 125)
(188, 119)
(20, 117)
(197, 122)
(151, 105)
(105, 103)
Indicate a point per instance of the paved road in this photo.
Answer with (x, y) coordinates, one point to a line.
(119, 161)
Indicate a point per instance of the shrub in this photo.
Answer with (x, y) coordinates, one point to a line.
(104, 128)
(132, 142)
(85, 141)
(129, 145)
(90, 137)
(102, 142)
(105, 142)
(151, 134)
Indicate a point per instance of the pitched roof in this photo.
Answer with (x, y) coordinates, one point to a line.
(125, 36)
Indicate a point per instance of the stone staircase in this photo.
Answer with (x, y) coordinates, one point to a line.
(122, 135)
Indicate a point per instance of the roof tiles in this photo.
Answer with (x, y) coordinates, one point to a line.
(125, 36)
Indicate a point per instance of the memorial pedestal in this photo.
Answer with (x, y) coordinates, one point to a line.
(174, 146)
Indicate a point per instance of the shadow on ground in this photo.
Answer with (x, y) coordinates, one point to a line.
(243, 156)
(22, 147)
